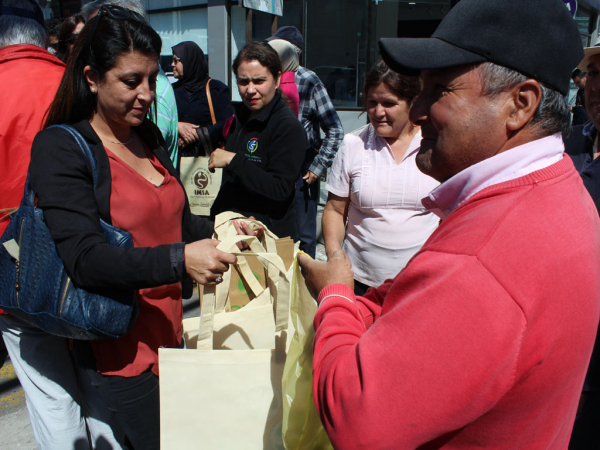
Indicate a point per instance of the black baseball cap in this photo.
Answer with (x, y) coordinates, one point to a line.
(538, 38)
(36, 15)
(290, 34)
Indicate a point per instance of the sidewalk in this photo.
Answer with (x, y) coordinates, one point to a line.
(15, 428)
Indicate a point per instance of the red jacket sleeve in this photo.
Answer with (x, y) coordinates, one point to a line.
(433, 361)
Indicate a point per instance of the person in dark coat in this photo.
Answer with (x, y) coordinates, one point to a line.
(579, 77)
(265, 149)
(582, 146)
(191, 70)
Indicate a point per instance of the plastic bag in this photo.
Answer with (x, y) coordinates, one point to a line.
(302, 428)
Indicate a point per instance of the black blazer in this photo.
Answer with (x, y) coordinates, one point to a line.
(62, 181)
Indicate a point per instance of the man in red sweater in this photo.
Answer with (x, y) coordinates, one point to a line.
(483, 340)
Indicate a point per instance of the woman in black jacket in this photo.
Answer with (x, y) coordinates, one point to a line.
(106, 92)
(265, 149)
(192, 91)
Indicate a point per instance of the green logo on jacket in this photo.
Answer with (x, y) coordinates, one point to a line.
(252, 145)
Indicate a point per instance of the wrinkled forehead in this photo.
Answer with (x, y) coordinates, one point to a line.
(594, 62)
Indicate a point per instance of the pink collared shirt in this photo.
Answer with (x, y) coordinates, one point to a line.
(509, 165)
(387, 223)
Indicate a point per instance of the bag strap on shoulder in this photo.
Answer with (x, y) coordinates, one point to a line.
(210, 104)
(83, 145)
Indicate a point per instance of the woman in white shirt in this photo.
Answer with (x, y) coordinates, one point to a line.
(375, 185)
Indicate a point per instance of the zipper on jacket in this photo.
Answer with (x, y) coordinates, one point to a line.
(18, 266)
(63, 296)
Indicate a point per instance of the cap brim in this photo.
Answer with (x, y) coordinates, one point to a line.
(411, 55)
(588, 52)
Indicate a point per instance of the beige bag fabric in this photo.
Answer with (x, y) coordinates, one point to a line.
(224, 390)
(201, 185)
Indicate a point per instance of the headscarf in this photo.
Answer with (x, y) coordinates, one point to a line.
(287, 54)
(195, 67)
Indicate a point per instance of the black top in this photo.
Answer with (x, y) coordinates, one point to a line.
(196, 110)
(259, 181)
(62, 180)
(579, 114)
(581, 150)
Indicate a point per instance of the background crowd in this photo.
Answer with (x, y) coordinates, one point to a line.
(98, 72)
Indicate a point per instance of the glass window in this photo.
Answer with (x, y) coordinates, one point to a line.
(178, 26)
(342, 38)
(164, 4)
(238, 40)
(51, 8)
(583, 18)
(336, 46)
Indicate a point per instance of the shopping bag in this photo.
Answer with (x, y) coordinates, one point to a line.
(243, 288)
(302, 428)
(201, 185)
(224, 389)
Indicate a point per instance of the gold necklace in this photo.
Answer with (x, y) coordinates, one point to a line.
(117, 142)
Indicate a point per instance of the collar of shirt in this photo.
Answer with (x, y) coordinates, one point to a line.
(509, 165)
(588, 129)
(374, 141)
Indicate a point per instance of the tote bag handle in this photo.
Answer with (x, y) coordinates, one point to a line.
(215, 297)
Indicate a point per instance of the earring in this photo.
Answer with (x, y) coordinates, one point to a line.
(93, 90)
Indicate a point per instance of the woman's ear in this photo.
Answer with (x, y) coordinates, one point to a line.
(525, 98)
(278, 82)
(92, 78)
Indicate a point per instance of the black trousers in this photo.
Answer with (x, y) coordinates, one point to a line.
(360, 289)
(133, 400)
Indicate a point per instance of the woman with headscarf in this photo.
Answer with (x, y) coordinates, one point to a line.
(289, 63)
(194, 91)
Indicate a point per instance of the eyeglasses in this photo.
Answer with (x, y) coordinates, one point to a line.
(115, 12)
(176, 59)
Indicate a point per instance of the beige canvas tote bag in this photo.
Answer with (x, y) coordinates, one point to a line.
(223, 391)
(201, 185)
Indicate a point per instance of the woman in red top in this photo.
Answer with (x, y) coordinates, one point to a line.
(107, 90)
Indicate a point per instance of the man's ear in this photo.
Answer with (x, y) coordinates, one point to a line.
(525, 98)
(91, 77)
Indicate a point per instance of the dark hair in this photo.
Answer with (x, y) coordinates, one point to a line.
(53, 26)
(404, 87)
(112, 38)
(261, 52)
(577, 73)
(66, 36)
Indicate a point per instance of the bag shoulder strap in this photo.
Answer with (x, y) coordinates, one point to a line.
(83, 145)
(210, 104)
